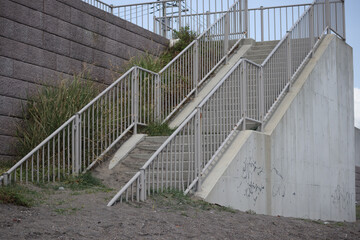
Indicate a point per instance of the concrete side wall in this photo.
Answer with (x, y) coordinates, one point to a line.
(357, 147)
(42, 41)
(302, 165)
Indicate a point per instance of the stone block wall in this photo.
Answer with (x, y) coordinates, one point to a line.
(44, 41)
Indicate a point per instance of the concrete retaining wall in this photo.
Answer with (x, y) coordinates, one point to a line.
(42, 41)
(302, 165)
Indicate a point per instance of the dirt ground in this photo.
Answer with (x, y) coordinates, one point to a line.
(69, 214)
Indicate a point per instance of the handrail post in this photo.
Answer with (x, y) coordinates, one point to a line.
(158, 98)
(262, 98)
(311, 29)
(246, 18)
(142, 185)
(112, 9)
(198, 150)
(327, 16)
(5, 175)
(196, 66)
(244, 94)
(135, 96)
(289, 59)
(226, 36)
(77, 139)
(262, 22)
(164, 22)
(154, 24)
(208, 24)
(343, 13)
(179, 27)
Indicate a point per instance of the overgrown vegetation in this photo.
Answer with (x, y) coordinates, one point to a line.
(185, 36)
(50, 108)
(17, 195)
(176, 200)
(157, 129)
(358, 212)
(82, 182)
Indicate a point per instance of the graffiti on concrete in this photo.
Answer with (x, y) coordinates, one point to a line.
(252, 189)
(278, 189)
(341, 198)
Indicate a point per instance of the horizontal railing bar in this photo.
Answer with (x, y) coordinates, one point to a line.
(140, 4)
(41, 144)
(108, 5)
(127, 185)
(222, 12)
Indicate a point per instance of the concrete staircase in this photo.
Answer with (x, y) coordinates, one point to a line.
(260, 50)
(129, 165)
(119, 175)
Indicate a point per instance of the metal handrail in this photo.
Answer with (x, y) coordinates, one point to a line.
(147, 175)
(74, 147)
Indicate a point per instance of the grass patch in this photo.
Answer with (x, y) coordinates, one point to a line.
(157, 129)
(63, 211)
(17, 195)
(83, 182)
(176, 200)
(50, 108)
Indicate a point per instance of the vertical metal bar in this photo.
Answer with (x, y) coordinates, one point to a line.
(343, 15)
(246, 18)
(77, 143)
(327, 16)
(289, 60)
(311, 32)
(262, 98)
(196, 66)
(142, 184)
(135, 96)
(244, 93)
(179, 3)
(226, 35)
(262, 22)
(198, 150)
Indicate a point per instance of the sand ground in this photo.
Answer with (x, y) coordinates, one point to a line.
(69, 214)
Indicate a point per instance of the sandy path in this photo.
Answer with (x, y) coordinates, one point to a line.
(83, 215)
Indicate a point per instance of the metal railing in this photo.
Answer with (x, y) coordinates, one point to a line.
(88, 135)
(138, 97)
(162, 17)
(248, 92)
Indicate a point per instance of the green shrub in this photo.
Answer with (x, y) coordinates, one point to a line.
(50, 108)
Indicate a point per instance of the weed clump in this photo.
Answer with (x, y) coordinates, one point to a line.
(82, 182)
(16, 195)
(50, 108)
(158, 129)
(155, 64)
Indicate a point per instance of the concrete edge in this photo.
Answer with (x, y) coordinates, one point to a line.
(125, 149)
(223, 163)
